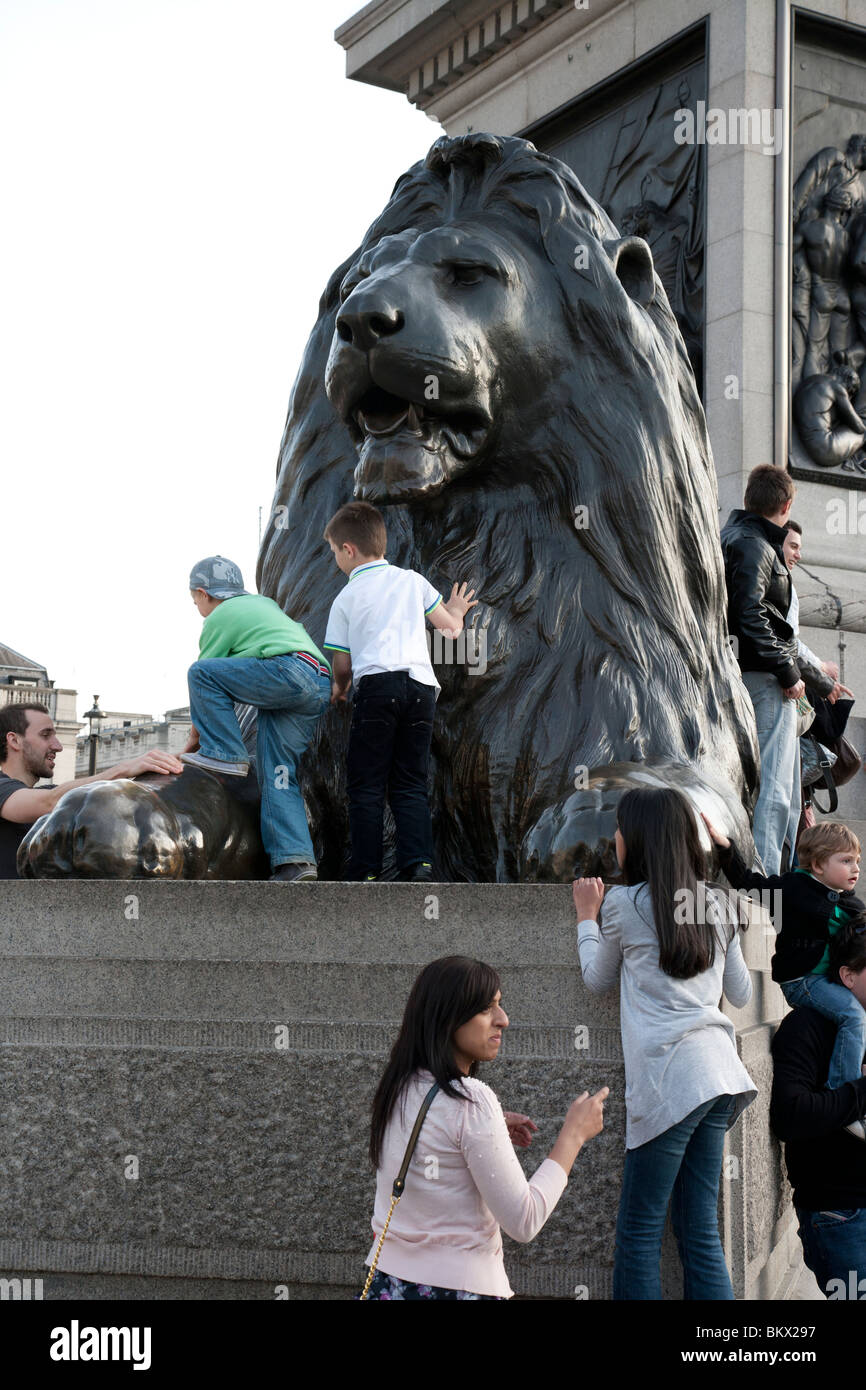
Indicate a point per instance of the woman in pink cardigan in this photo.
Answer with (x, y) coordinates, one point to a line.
(464, 1181)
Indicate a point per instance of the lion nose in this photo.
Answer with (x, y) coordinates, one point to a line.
(363, 325)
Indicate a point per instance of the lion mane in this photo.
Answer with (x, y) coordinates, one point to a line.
(586, 520)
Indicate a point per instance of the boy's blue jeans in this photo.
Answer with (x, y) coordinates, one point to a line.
(838, 1004)
(290, 697)
(683, 1165)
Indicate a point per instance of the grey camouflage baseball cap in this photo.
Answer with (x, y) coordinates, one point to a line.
(218, 577)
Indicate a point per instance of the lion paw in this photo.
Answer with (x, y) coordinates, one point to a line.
(575, 838)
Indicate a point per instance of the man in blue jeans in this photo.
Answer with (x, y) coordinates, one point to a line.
(824, 1160)
(759, 599)
(251, 653)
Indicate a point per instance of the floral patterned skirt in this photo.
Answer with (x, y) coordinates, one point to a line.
(387, 1288)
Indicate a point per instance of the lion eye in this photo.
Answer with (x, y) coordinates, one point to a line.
(469, 273)
(351, 283)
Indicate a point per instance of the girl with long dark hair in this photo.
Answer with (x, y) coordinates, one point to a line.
(464, 1181)
(670, 939)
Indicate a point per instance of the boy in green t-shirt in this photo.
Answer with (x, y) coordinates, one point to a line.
(252, 653)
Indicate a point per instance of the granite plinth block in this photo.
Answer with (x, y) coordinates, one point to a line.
(188, 1070)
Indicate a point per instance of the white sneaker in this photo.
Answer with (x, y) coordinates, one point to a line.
(857, 1129)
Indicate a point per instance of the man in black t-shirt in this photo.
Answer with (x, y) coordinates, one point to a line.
(28, 748)
(826, 1164)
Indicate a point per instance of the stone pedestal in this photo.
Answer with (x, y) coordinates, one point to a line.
(188, 1069)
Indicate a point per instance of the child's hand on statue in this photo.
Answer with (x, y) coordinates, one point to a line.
(460, 602)
(588, 894)
(715, 834)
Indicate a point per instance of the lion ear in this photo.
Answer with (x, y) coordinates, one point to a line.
(633, 262)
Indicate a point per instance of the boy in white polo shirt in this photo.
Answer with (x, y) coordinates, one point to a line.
(376, 634)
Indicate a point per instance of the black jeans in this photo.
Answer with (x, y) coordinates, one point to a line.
(389, 753)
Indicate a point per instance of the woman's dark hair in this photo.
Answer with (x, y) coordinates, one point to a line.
(446, 994)
(663, 850)
(848, 947)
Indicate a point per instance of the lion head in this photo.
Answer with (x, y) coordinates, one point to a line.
(500, 371)
(428, 367)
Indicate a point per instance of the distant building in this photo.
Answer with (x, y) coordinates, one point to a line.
(23, 681)
(125, 735)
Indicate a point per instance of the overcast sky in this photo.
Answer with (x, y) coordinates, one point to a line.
(179, 179)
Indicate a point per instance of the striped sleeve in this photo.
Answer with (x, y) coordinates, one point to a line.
(430, 597)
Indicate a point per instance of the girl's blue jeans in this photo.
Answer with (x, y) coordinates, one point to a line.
(681, 1166)
(838, 1004)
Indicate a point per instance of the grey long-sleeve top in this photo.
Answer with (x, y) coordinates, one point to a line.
(679, 1048)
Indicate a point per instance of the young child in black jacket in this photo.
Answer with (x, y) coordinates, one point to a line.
(815, 900)
(825, 1168)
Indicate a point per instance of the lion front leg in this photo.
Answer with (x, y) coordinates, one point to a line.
(574, 838)
(188, 825)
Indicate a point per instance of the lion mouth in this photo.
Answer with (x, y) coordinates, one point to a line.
(381, 415)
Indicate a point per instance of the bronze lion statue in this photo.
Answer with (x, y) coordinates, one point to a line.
(500, 372)
(194, 825)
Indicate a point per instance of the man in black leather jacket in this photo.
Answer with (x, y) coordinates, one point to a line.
(759, 597)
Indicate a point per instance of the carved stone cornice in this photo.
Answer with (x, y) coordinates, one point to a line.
(423, 50)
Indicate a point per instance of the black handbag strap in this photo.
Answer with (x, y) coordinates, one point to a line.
(826, 779)
(400, 1180)
(399, 1184)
